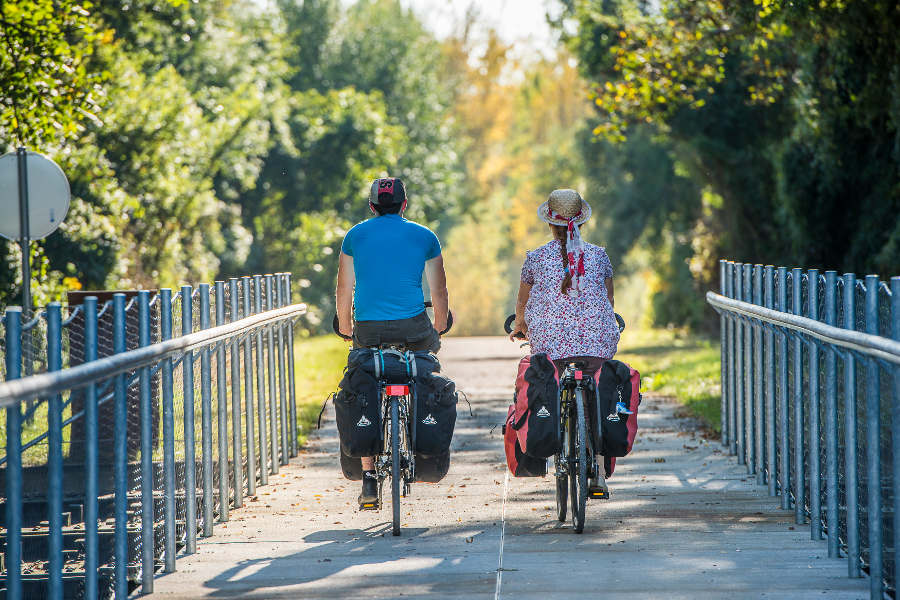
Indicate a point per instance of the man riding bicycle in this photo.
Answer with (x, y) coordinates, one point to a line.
(379, 295)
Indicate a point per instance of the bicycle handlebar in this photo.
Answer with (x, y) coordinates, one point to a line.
(507, 326)
(335, 325)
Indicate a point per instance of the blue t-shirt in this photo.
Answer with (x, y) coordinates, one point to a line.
(389, 255)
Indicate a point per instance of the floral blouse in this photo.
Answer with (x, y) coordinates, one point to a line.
(576, 323)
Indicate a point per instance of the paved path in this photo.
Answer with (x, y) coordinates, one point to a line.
(684, 521)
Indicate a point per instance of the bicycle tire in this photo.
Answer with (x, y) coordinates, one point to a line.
(578, 476)
(396, 475)
(562, 497)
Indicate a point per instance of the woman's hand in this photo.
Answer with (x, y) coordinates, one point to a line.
(519, 331)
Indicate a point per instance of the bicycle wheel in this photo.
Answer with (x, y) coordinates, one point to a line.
(396, 475)
(578, 473)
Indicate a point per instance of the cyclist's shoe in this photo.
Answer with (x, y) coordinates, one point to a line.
(597, 487)
(368, 498)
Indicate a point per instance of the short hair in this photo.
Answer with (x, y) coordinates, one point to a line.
(387, 209)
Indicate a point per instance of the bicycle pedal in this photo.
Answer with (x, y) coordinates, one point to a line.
(368, 506)
(598, 494)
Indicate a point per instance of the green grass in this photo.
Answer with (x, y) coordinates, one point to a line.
(318, 366)
(680, 365)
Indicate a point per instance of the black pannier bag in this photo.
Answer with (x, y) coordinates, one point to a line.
(351, 467)
(357, 411)
(432, 469)
(435, 414)
(614, 383)
(357, 404)
(391, 365)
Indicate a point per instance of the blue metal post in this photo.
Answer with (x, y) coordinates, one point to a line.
(895, 418)
(729, 438)
(120, 455)
(815, 451)
(206, 415)
(261, 387)
(851, 487)
(749, 417)
(291, 383)
(168, 400)
(784, 463)
(14, 458)
(282, 376)
(91, 559)
(148, 543)
(759, 425)
(273, 402)
(248, 395)
(799, 478)
(222, 408)
(237, 455)
(54, 457)
(873, 447)
(723, 343)
(831, 416)
(769, 302)
(190, 460)
(739, 369)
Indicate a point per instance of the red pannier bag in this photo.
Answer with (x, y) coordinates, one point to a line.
(537, 406)
(616, 382)
(519, 463)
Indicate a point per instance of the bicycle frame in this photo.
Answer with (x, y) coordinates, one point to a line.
(571, 380)
(407, 433)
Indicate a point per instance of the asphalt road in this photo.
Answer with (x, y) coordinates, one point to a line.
(684, 521)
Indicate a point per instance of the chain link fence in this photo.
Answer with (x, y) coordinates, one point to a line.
(152, 456)
(811, 417)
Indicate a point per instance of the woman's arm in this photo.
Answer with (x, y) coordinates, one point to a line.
(608, 282)
(521, 301)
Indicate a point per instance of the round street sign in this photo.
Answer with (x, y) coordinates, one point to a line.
(48, 196)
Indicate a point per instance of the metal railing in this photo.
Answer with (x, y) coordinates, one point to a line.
(811, 402)
(113, 473)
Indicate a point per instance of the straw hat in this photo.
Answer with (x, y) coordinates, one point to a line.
(563, 205)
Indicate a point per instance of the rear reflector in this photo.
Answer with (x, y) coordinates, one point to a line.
(397, 390)
(578, 375)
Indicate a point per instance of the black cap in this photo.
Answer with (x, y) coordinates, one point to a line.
(387, 191)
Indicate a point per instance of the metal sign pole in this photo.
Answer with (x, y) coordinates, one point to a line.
(24, 230)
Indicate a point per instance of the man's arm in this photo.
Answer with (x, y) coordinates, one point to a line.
(437, 282)
(519, 326)
(343, 294)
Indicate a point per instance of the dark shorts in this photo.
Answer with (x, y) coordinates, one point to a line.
(416, 333)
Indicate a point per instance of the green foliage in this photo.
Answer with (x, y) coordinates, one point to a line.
(207, 139)
(786, 113)
(48, 87)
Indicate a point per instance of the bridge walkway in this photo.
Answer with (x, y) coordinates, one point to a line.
(684, 521)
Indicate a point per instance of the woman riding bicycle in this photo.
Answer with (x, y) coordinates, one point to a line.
(565, 302)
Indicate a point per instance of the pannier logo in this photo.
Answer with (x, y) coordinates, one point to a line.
(543, 412)
(429, 420)
(363, 422)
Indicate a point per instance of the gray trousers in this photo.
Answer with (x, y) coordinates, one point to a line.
(416, 333)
